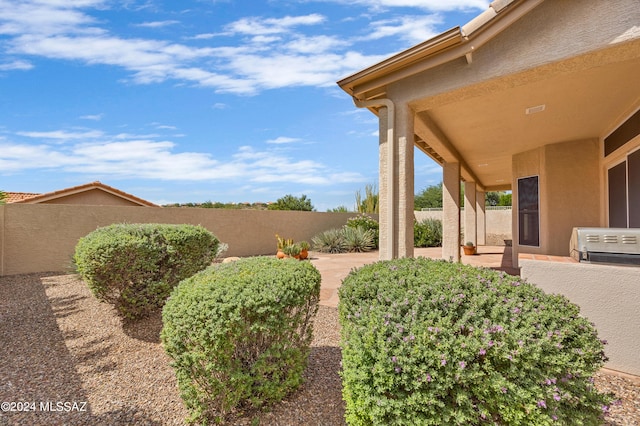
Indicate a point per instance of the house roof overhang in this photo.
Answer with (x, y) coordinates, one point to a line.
(452, 44)
(482, 124)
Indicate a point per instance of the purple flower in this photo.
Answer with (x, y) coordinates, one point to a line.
(443, 361)
(398, 369)
(462, 364)
(542, 403)
(429, 378)
(503, 390)
(394, 359)
(556, 397)
(482, 351)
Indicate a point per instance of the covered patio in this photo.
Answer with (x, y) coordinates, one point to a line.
(537, 97)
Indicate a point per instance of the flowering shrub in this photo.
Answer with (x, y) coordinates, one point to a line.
(432, 343)
(239, 333)
(365, 222)
(136, 266)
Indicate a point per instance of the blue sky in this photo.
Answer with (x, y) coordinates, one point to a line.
(190, 101)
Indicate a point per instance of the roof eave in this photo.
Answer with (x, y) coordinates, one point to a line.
(445, 47)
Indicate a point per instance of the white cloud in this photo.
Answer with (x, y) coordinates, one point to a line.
(16, 65)
(260, 26)
(63, 134)
(262, 53)
(282, 140)
(410, 28)
(133, 156)
(93, 117)
(433, 5)
(157, 24)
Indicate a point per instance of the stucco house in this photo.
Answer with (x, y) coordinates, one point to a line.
(538, 97)
(93, 193)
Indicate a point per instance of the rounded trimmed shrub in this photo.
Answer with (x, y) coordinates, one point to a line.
(136, 266)
(239, 333)
(429, 342)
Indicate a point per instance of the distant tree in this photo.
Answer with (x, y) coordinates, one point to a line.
(505, 199)
(289, 202)
(339, 209)
(429, 198)
(3, 197)
(368, 204)
(498, 198)
(492, 198)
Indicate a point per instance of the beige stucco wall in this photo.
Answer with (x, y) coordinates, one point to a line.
(92, 197)
(569, 191)
(42, 237)
(527, 45)
(607, 295)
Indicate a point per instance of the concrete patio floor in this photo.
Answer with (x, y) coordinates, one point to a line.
(335, 267)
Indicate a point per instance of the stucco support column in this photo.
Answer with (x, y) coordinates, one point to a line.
(405, 181)
(451, 211)
(470, 217)
(482, 218)
(385, 195)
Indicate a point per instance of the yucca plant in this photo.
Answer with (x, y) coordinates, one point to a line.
(358, 239)
(331, 241)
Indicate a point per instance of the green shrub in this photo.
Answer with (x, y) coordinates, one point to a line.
(428, 342)
(135, 266)
(367, 223)
(358, 239)
(239, 333)
(427, 233)
(331, 241)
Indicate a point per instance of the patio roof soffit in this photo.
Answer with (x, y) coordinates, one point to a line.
(450, 45)
(432, 141)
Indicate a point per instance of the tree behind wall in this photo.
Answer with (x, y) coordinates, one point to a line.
(3, 196)
(289, 202)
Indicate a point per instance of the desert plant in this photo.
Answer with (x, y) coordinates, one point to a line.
(304, 245)
(427, 233)
(429, 342)
(358, 239)
(366, 222)
(239, 333)
(292, 250)
(331, 241)
(135, 266)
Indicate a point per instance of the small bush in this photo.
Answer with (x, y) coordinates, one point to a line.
(358, 239)
(431, 343)
(239, 333)
(135, 266)
(427, 233)
(365, 222)
(331, 241)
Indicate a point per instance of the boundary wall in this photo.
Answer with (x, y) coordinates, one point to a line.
(42, 237)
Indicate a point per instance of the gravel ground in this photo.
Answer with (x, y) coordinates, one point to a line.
(59, 345)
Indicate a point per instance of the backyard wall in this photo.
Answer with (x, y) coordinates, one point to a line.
(498, 224)
(42, 237)
(607, 295)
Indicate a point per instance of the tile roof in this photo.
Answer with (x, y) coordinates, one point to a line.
(32, 198)
(13, 197)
